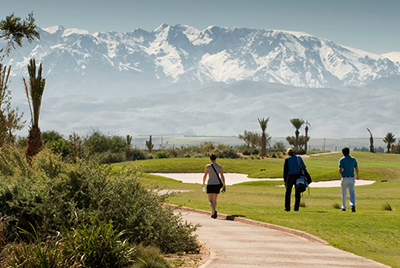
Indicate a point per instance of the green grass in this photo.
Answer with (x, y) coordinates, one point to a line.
(372, 232)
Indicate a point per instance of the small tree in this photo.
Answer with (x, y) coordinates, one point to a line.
(75, 147)
(389, 140)
(263, 124)
(34, 93)
(301, 141)
(251, 139)
(150, 145)
(9, 118)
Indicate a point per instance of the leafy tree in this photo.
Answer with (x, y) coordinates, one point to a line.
(13, 31)
(75, 147)
(263, 124)
(300, 141)
(279, 146)
(297, 123)
(9, 118)
(50, 136)
(251, 139)
(34, 93)
(389, 140)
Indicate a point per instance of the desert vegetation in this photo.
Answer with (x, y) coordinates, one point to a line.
(58, 213)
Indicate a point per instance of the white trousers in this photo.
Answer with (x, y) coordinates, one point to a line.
(348, 183)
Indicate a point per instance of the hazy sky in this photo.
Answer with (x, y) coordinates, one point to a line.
(370, 25)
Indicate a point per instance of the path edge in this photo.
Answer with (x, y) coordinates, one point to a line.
(295, 232)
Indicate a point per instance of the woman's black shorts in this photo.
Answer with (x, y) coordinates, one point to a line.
(213, 189)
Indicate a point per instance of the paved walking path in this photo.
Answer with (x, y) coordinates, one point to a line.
(244, 243)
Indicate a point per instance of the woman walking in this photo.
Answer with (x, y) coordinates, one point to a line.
(216, 181)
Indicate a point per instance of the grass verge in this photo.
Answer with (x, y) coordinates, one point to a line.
(371, 232)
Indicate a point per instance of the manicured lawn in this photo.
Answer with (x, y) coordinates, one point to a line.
(371, 232)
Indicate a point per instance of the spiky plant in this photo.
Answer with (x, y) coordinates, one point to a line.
(128, 154)
(297, 123)
(263, 124)
(150, 145)
(34, 91)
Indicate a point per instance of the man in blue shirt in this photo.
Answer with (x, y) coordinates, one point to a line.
(347, 165)
(291, 172)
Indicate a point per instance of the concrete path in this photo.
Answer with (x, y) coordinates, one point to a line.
(244, 243)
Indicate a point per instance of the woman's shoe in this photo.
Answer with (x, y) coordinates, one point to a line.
(215, 215)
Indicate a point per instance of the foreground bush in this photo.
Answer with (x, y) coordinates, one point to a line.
(97, 245)
(52, 196)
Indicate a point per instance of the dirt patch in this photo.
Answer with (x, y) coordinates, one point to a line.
(183, 260)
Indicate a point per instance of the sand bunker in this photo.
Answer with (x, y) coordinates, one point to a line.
(235, 178)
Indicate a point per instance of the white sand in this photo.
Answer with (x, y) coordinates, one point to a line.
(235, 178)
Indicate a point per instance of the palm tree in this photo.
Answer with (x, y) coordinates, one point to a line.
(14, 31)
(389, 139)
(263, 124)
(34, 94)
(306, 135)
(371, 142)
(297, 123)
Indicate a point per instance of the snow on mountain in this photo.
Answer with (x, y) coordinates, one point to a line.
(179, 53)
(217, 81)
(393, 56)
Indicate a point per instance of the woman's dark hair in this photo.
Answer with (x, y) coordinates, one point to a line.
(346, 151)
(213, 157)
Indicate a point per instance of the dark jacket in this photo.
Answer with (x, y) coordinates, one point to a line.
(292, 167)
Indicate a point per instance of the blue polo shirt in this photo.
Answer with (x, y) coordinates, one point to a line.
(348, 164)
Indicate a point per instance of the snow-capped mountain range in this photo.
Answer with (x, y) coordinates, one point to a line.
(177, 80)
(181, 54)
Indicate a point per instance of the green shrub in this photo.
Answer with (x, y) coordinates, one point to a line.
(136, 154)
(161, 154)
(52, 196)
(35, 253)
(95, 245)
(98, 245)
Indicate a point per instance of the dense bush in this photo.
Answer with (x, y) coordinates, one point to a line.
(204, 150)
(52, 196)
(249, 150)
(135, 154)
(95, 245)
(161, 154)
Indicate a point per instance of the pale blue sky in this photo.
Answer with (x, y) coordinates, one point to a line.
(370, 25)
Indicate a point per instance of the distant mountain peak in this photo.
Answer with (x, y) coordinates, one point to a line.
(180, 53)
(54, 29)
